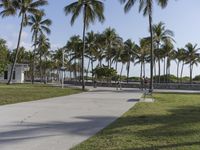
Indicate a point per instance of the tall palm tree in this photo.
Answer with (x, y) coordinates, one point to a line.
(142, 55)
(111, 41)
(117, 56)
(147, 7)
(38, 26)
(167, 49)
(43, 47)
(130, 50)
(57, 59)
(74, 48)
(23, 8)
(179, 57)
(100, 43)
(160, 34)
(182, 58)
(192, 57)
(91, 50)
(92, 9)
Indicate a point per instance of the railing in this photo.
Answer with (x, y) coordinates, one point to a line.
(180, 86)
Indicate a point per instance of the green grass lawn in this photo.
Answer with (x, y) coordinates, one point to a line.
(171, 123)
(16, 93)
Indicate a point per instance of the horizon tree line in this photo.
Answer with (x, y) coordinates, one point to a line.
(149, 48)
(99, 52)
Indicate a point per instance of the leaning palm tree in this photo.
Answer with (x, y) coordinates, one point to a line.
(192, 57)
(38, 26)
(23, 8)
(147, 7)
(92, 9)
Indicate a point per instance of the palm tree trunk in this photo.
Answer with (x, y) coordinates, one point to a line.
(33, 73)
(17, 51)
(182, 72)
(45, 70)
(152, 52)
(92, 66)
(116, 65)
(141, 69)
(178, 71)
(40, 67)
(155, 70)
(190, 73)
(88, 69)
(128, 69)
(110, 63)
(83, 52)
(164, 67)
(159, 70)
(144, 68)
(121, 72)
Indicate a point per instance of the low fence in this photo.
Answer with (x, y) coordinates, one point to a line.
(183, 86)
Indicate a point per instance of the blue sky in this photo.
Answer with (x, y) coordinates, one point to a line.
(180, 16)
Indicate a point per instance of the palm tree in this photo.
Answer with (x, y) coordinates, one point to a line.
(91, 50)
(74, 48)
(92, 9)
(43, 47)
(38, 26)
(182, 58)
(100, 43)
(192, 57)
(57, 59)
(130, 50)
(24, 8)
(147, 7)
(117, 56)
(7, 8)
(160, 34)
(111, 41)
(142, 55)
(167, 51)
(179, 57)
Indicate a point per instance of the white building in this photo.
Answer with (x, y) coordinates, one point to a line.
(18, 75)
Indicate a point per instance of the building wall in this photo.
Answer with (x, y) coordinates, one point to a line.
(19, 74)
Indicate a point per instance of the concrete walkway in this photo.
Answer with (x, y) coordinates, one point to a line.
(60, 123)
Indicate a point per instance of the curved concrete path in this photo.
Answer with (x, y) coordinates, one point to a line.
(60, 123)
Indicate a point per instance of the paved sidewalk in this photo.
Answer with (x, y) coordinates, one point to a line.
(60, 123)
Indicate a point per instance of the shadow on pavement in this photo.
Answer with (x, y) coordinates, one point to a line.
(86, 126)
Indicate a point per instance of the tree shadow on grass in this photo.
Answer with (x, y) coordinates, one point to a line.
(169, 146)
(176, 123)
